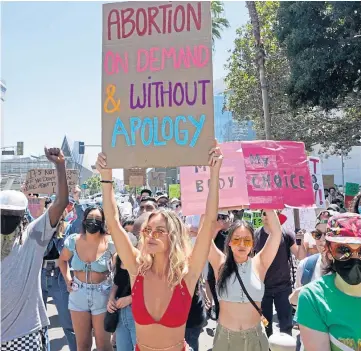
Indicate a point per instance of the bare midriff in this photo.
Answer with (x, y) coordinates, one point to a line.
(93, 277)
(155, 337)
(238, 316)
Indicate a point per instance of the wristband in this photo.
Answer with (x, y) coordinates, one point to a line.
(107, 181)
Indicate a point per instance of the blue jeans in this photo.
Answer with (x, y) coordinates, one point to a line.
(192, 337)
(53, 285)
(125, 332)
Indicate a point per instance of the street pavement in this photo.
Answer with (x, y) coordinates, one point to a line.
(58, 341)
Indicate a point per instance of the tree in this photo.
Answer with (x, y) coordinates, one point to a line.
(322, 40)
(219, 22)
(260, 60)
(335, 130)
(94, 184)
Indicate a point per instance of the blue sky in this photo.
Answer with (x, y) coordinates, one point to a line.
(51, 62)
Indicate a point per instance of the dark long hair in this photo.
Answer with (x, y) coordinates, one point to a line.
(356, 202)
(87, 211)
(230, 265)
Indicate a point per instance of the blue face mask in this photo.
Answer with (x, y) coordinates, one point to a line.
(359, 209)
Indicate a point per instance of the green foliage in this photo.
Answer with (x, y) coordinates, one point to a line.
(322, 40)
(94, 185)
(219, 22)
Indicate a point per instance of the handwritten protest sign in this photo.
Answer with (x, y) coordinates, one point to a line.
(156, 179)
(136, 173)
(328, 181)
(36, 206)
(253, 217)
(174, 191)
(277, 174)
(352, 189)
(232, 190)
(44, 181)
(157, 90)
(317, 181)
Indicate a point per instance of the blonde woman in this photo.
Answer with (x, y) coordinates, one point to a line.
(163, 271)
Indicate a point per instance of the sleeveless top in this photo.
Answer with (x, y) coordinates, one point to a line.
(253, 285)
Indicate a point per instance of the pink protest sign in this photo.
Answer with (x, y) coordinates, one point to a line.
(277, 174)
(232, 193)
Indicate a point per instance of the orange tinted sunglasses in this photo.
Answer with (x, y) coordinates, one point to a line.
(343, 252)
(155, 234)
(247, 242)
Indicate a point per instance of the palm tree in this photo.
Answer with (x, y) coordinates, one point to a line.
(219, 22)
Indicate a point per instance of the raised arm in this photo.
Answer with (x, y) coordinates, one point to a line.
(266, 256)
(55, 155)
(216, 257)
(125, 249)
(205, 234)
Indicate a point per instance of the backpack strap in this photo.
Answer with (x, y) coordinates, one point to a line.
(310, 266)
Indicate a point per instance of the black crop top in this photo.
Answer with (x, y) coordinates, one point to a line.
(121, 280)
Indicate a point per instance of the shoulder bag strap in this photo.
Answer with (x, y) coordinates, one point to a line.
(263, 319)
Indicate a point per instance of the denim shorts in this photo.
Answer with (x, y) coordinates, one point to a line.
(92, 298)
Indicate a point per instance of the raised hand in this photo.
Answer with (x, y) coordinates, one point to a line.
(215, 157)
(54, 155)
(101, 166)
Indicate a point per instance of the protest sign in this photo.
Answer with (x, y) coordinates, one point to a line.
(134, 172)
(157, 86)
(174, 191)
(277, 174)
(156, 179)
(232, 190)
(44, 181)
(253, 217)
(352, 189)
(136, 180)
(328, 181)
(36, 206)
(317, 181)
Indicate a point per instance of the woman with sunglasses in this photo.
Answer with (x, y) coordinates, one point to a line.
(163, 271)
(329, 309)
(239, 324)
(91, 254)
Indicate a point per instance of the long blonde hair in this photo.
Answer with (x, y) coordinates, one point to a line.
(180, 248)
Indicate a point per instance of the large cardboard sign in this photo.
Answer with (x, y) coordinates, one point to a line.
(317, 181)
(36, 206)
(328, 181)
(136, 173)
(277, 174)
(44, 181)
(232, 190)
(156, 179)
(157, 86)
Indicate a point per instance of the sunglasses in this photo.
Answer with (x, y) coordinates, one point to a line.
(343, 252)
(247, 242)
(317, 234)
(155, 234)
(223, 218)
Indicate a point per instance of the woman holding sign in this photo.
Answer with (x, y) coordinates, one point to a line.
(163, 271)
(240, 286)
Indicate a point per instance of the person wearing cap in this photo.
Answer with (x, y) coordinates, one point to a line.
(23, 315)
(329, 309)
(163, 201)
(278, 281)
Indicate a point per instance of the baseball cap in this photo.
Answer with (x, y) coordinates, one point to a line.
(13, 200)
(344, 228)
(224, 213)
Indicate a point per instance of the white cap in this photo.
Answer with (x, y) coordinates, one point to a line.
(225, 213)
(13, 200)
(174, 200)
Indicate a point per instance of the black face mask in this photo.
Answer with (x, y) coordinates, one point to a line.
(9, 224)
(93, 226)
(349, 271)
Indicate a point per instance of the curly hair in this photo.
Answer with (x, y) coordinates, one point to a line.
(356, 202)
(180, 248)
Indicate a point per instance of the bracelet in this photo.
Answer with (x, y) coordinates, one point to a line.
(107, 181)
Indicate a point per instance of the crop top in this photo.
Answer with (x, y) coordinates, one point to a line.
(100, 265)
(234, 292)
(176, 313)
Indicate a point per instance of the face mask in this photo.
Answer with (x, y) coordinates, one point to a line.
(93, 226)
(9, 224)
(7, 242)
(349, 271)
(359, 209)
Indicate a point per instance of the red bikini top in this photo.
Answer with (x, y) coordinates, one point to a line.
(176, 313)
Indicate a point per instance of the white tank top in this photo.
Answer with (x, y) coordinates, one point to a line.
(234, 291)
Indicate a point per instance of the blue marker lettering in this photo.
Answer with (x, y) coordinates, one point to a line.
(199, 126)
(119, 129)
(135, 123)
(177, 132)
(166, 120)
(146, 121)
(156, 141)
